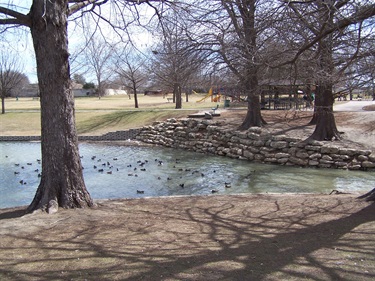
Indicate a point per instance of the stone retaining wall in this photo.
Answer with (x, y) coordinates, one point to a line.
(207, 136)
(111, 136)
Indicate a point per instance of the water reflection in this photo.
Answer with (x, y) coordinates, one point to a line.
(113, 171)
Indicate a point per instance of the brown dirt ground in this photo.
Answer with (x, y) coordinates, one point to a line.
(237, 237)
(357, 128)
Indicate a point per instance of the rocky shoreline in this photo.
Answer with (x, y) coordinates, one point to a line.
(254, 144)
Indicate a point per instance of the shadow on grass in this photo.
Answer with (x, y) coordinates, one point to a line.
(230, 240)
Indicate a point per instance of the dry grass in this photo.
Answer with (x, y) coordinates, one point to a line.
(98, 116)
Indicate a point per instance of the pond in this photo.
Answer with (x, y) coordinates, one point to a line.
(115, 171)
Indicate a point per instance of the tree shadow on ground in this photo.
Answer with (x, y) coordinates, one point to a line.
(228, 240)
(12, 214)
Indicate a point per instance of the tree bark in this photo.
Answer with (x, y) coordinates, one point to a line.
(2, 105)
(323, 118)
(253, 117)
(177, 94)
(62, 183)
(135, 95)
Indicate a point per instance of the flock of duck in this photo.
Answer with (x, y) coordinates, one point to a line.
(105, 166)
(136, 170)
(24, 167)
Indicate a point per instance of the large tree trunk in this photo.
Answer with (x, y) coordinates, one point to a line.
(253, 117)
(323, 112)
(323, 118)
(62, 183)
(250, 77)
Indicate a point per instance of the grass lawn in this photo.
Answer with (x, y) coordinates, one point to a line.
(98, 116)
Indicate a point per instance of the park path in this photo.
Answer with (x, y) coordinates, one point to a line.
(352, 105)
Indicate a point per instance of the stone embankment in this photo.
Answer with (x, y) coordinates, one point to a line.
(111, 136)
(207, 136)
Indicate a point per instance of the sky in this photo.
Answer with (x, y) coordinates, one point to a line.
(20, 43)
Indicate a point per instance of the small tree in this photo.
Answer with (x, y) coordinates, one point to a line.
(176, 61)
(98, 54)
(79, 78)
(131, 72)
(11, 79)
(234, 32)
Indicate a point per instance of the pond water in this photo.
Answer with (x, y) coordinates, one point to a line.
(114, 171)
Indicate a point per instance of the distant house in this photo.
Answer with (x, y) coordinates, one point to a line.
(114, 92)
(32, 90)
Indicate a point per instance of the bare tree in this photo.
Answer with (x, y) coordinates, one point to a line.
(176, 60)
(330, 23)
(98, 55)
(235, 32)
(11, 78)
(62, 183)
(130, 69)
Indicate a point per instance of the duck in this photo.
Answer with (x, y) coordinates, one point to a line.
(214, 190)
(140, 191)
(227, 184)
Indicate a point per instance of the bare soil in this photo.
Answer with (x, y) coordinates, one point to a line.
(237, 237)
(357, 129)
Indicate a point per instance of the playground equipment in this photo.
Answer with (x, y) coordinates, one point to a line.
(215, 97)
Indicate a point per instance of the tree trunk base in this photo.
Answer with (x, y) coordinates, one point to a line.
(253, 119)
(369, 196)
(325, 129)
(49, 199)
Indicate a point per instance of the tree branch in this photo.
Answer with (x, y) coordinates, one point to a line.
(82, 4)
(17, 18)
(363, 14)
